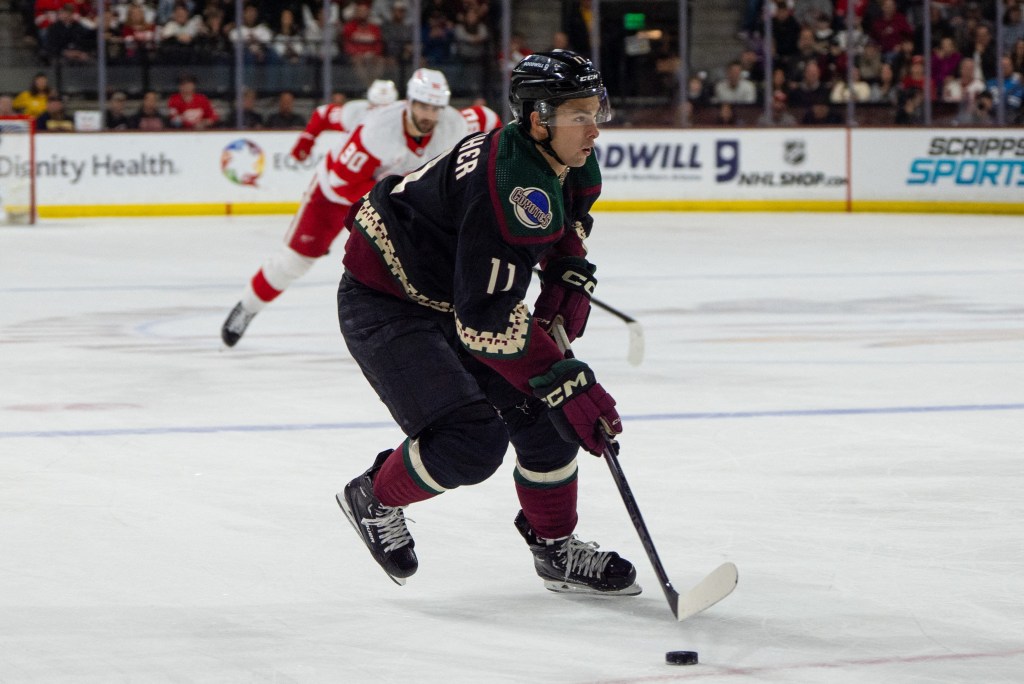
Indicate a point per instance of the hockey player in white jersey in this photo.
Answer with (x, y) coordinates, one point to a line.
(342, 117)
(390, 140)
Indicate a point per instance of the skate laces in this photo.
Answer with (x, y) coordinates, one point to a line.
(584, 557)
(390, 526)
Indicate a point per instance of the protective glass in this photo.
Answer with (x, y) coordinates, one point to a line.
(577, 111)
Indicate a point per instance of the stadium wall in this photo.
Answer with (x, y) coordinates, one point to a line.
(834, 169)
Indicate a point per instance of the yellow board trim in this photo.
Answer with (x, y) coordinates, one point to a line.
(828, 206)
(200, 209)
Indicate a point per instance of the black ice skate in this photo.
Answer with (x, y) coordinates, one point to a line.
(382, 528)
(568, 565)
(234, 327)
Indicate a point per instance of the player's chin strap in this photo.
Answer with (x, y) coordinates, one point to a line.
(545, 144)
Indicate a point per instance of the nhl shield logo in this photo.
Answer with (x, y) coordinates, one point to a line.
(794, 152)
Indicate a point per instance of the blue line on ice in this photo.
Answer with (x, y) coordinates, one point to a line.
(725, 415)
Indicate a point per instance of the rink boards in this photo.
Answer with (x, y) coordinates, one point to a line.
(802, 169)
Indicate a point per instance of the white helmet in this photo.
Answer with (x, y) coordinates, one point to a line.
(381, 93)
(428, 86)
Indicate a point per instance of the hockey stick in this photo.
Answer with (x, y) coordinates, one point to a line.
(718, 584)
(635, 355)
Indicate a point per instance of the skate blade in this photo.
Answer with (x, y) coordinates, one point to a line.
(400, 581)
(563, 587)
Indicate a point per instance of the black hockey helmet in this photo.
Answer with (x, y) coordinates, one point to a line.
(544, 80)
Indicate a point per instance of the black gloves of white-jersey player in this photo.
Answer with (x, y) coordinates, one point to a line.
(567, 284)
(582, 411)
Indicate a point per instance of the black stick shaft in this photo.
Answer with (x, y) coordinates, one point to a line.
(671, 595)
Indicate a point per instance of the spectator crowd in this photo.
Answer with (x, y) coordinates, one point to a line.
(817, 62)
(813, 72)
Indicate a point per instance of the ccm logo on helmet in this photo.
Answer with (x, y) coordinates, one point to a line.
(588, 77)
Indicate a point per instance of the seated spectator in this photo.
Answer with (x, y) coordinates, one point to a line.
(46, 13)
(945, 62)
(178, 37)
(115, 119)
(1017, 56)
(978, 113)
(55, 119)
(807, 51)
(750, 64)
(865, 51)
(870, 62)
(965, 88)
(891, 28)
(138, 36)
(149, 117)
(887, 90)
(1013, 87)
(362, 43)
(189, 109)
(903, 59)
(7, 105)
(725, 115)
(820, 113)
(285, 116)
(251, 119)
(910, 108)
(68, 39)
(697, 91)
(32, 102)
(255, 36)
(212, 44)
(165, 10)
(288, 42)
(810, 88)
(438, 40)
(982, 49)
(396, 34)
(915, 78)
(779, 115)
(471, 38)
(940, 28)
(841, 89)
(734, 88)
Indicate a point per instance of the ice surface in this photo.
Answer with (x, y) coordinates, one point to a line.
(833, 402)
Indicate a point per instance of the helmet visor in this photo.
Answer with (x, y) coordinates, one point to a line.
(587, 109)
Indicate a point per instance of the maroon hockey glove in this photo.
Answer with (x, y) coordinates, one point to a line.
(566, 286)
(303, 146)
(581, 410)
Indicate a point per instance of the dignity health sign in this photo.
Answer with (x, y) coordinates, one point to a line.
(799, 169)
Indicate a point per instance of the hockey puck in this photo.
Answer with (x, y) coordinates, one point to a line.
(681, 657)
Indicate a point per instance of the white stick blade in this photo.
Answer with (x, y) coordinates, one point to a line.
(636, 343)
(708, 592)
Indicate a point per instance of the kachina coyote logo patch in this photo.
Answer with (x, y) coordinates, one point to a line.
(532, 207)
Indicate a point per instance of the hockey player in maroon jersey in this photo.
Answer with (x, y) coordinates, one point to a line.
(393, 139)
(432, 308)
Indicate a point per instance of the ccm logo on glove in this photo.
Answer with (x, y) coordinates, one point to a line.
(581, 410)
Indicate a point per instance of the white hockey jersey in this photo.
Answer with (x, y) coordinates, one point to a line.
(379, 146)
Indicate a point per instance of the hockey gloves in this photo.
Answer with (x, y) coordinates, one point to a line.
(566, 286)
(581, 410)
(303, 147)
